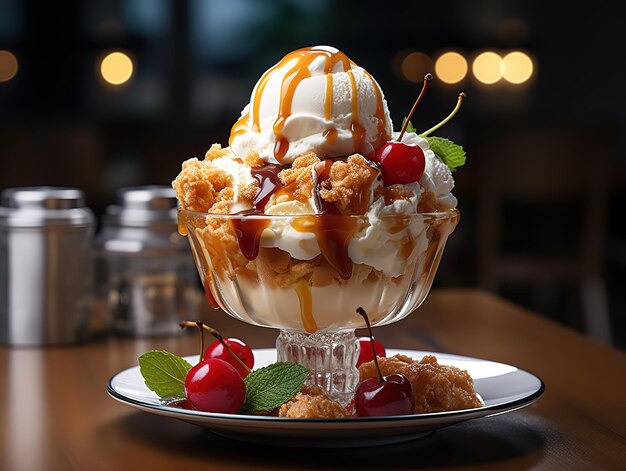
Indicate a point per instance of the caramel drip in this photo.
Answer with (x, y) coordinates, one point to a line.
(267, 177)
(209, 296)
(182, 228)
(280, 147)
(328, 101)
(249, 230)
(358, 131)
(333, 231)
(380, 113)
(306, 306)
(240, 127)
(331, 135)
(243, 124)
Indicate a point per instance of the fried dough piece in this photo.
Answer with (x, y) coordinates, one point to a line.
(436, 388)
(312, 402)
(348, 185)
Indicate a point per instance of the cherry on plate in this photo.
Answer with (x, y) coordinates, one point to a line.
(215, 386)
(393, 396)
(217, 350)
(366, 353)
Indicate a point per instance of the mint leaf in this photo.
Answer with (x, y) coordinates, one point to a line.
(409, 127)
(273, 385)
(450, 153)
(164, 373)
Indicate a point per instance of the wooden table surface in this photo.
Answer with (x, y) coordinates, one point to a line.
(55, 413)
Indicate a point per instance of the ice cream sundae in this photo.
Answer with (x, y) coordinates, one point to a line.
(317, 206)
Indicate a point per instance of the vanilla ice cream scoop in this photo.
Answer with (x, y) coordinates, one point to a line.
(314, 99)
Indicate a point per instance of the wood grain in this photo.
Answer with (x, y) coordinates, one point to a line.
(55, 413)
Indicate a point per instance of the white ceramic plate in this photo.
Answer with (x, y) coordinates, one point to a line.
(503, 387)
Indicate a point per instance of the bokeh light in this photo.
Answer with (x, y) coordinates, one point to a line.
(8, 66)
(487, 67)
(517, 67)
(415, 65)
(116, 68)
(451, 67)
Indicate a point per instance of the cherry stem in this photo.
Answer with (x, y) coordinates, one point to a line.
(450, 116)
(427, 80)
(218, 336)
(184, 324)
(361, 312)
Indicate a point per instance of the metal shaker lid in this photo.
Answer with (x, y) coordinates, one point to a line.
(43, 206)
(142, 206)
(42, 197)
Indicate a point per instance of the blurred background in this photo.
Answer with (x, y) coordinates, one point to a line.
(114, 93)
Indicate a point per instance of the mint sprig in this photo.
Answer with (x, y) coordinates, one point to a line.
(273, 385)
(164, 373)
(409, 127)
(451, 154)
(448, 152)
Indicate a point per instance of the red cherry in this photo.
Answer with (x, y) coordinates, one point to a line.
(400, 162)
(393, 396)
(366, 353)
(217, 350)
(215, 386)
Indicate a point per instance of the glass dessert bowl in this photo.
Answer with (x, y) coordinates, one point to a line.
(386, 266)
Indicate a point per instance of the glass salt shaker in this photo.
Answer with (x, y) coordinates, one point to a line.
(146, 280)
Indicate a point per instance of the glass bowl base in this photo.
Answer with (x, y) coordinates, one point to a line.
(330, 357)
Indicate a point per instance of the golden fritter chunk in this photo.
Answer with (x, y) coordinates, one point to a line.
(199, 184)
(436, 388)
(298, 179)
(348, 186)
(312, 403)
(215, 152)
(253, 160)
(202, 186)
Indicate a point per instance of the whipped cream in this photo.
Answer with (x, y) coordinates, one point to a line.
(380, 245)
(437, 177)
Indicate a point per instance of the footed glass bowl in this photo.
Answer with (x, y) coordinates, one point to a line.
(307, 275)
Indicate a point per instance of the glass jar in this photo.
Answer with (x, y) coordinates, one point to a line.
(145, 276)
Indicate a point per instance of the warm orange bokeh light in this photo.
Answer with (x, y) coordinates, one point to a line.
(415, 65)
(451, 67)
(517, 67)
(487, 67)
(8, 66)
(116, 68)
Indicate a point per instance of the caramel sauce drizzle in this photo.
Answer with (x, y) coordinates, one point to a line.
(298, 72)
(249, 230)
(358, 131)
(328, 101)
(331, 135)
(209, 296)
(306, 306)
(182, 228)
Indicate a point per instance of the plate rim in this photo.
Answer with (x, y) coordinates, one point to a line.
(484, 411)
